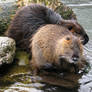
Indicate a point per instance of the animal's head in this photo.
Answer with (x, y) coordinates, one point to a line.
(76, 29)
(70, 49)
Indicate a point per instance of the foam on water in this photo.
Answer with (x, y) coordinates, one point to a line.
(76, 5)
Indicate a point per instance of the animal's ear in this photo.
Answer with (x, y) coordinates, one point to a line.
(62, 22)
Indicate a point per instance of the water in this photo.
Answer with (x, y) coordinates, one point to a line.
(83, 10)
(20, 79)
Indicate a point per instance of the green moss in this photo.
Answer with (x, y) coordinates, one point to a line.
(65, 12)
(18, 71)
(4, 25)
(5, 17)
(23, 57)
(15, 74)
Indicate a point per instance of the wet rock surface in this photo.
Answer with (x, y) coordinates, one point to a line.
(7, 50)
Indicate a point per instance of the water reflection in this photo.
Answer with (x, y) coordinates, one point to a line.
(83, 10)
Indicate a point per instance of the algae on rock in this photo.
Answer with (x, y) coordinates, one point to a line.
(7, 11)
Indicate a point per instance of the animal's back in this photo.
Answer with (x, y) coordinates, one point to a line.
(54, 45)
(27, 20)
(46, 39)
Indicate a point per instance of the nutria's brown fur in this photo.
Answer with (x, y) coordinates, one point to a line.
(55, 45)
(28, 19)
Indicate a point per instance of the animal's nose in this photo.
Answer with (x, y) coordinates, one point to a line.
(75, 58)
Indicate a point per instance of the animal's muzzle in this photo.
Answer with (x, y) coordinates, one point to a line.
(75, 58)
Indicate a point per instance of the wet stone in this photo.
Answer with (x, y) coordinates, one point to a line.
(7, 50)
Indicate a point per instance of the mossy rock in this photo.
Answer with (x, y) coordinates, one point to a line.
(65, 12)
(7, 12)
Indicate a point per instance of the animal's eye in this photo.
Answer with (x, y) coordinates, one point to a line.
(70, 27)
(67, 38)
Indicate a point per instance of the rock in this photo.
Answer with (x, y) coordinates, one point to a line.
(65, 12)
(7, 11)
(7, 50)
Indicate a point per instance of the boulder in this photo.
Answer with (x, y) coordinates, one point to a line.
(7, 50)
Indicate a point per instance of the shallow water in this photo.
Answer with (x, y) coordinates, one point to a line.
(19, 78)
(83, 10)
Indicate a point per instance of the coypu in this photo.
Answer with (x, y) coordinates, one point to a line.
(28, 19)
(55, 45)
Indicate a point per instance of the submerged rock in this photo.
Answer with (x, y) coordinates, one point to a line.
(7, 50)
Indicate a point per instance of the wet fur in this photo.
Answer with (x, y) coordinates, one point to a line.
(51, 43)
(28, 19)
